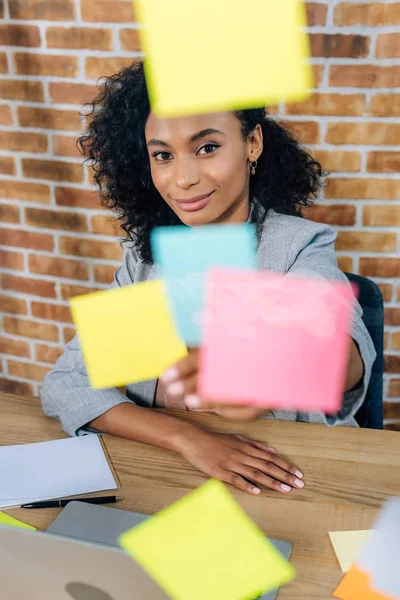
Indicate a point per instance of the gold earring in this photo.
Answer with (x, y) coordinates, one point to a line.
(253, 167)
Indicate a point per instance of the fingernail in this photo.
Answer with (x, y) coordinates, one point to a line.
(285, 488)
(170, 375)
(271, 449)
(256, 490)
(298, 474)
(175, 389)
(298, 483)
(192, 401)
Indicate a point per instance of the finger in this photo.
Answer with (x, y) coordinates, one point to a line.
(257, 452)
(255, 443)
(269, 468)
(239, 482)
(257, 476)
(183, 387)
(182, 368)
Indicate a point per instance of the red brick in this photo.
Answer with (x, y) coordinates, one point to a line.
(48, 10)
(7, 165)
(338, 45)
(365, 241)
(90, 248)
(394, 388)
(47, 354)
(368, 13)
(31, 329)
(26, 285)
(385, 105)
(9, 213)
(31, 91)
(388, 45)
(381, 216)
(379, 267)
(345, 263)
(391, 410)
(54, 219)
(368, 189)
(66, 196)
(46, 65)
(27, 239)
(55, 170)
(383, 162)
(364, 76)
(11, 260)
(318, 72)
(96, 67)
(1, 9)
(130, 40)
(59, 267)
(18, 141)
(396, 342)
(72, 93)
(20, 388)
(19, 35)
(106, 225)
(363, 133)
(392, 363)
(5, 115)
(70, 291)
(49, 118)
(329, 104)
(27, 192)
(392, 316)
(65, 145)
(306, 132)
(338, 160)
(338, 214)
(316, 13)
(12, 305)
(386, 291)
(398, 294)
(51, 312)
(112, 11)
(68, 334)
(14, 347)
(28, 370)
(79, 38)
(3, 63)
(104, 273)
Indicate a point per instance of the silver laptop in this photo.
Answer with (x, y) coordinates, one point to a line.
(103, 525)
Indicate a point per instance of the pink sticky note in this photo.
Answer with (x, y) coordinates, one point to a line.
(275, 341)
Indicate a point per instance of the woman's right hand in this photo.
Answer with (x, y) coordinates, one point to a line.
(243, 462)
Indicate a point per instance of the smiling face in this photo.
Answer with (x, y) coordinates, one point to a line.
(200, 166)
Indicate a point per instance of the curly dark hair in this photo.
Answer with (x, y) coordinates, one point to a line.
(286, 179)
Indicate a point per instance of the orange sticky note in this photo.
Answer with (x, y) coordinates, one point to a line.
(356, 585)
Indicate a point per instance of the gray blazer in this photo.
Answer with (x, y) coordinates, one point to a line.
(286, 245)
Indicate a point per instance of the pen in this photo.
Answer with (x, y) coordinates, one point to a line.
(57, 503)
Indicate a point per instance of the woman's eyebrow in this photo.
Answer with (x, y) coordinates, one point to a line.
(193, 138)
(154, 142)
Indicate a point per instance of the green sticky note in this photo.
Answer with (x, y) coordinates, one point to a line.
(206, 547)
(8, 520)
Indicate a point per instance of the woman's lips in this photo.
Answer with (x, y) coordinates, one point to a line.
(193, 205)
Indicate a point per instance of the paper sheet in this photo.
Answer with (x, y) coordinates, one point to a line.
(11, 521)
(347, 545)
(55, 469)
(185, 253)
(205, 546)
(216, 55)
(127, 334)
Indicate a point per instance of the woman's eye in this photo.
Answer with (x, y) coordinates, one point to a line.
(208, 148)
(162, 156)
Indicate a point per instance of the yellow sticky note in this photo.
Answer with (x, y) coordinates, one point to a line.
(347, 545)
(205, 546)
(216, 55)
(8, 520)
(127, 335)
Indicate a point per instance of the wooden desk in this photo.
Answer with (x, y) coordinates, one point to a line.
(348, 473)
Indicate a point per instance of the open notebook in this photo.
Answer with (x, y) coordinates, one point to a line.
(55, 469)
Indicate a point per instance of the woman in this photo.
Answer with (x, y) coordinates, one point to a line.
(216, 168)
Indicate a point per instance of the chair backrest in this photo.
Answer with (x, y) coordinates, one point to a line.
(370, 298)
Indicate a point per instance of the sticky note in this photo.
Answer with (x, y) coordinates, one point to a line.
(127, 335)
(356, 585)
(347, 545)
(8, 520)
(264, 334)
(216, 55)
(206, 546)
(184, 255)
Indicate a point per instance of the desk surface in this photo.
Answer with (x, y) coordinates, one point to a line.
(348, 473)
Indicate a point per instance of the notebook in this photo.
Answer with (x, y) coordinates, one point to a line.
(54, 469)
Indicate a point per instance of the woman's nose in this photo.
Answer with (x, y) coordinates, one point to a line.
(186, 174)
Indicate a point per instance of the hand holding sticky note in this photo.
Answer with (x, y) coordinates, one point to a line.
(265, 332)
(127, 335)
(186, 74)
(205, 546)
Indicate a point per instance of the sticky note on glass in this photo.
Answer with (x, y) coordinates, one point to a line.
(347, 545)
(264, 334)
(127, 335)
(8, 520)
(196, 61)
(184, 255)
(206, 546)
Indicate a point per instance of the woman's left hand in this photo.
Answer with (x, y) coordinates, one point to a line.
(180, 382)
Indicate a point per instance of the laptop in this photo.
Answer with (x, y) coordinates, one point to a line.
(103, 525)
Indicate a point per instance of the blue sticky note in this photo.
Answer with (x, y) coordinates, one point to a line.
(184, 254)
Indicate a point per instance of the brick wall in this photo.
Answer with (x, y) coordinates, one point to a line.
(55, 241)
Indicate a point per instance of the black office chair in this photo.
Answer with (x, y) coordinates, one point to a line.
(370, 298)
